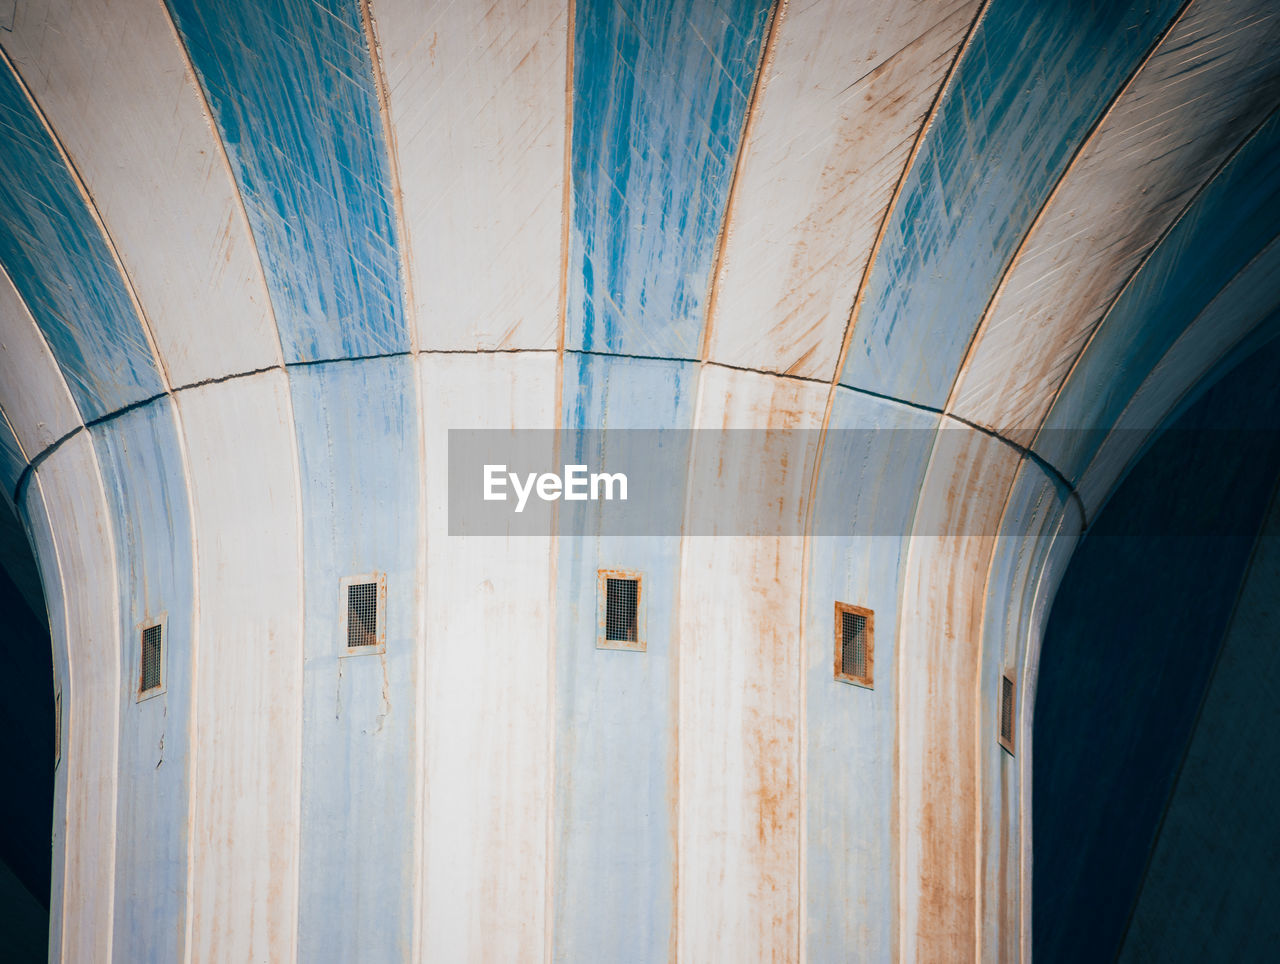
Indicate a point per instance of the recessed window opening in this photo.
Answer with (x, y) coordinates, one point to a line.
(1007, 708)
(855, 640)
(363, 611)
(151, 659)
(621, 617)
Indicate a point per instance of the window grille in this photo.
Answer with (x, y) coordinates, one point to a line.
(1006, 712)
(151, 658)
(152, 639)
(620, 611)
(855, 640)
(362, 614)
(621, 617)
(363, 627)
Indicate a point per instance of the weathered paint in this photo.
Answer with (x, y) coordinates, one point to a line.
(86, 624)
(548, 792)
(1208, 84)
(660, 94)
(1032, 518)
(43, 411)
(478, 110)
(292, 92)
(1033, 80)
(485, 695)
(837, 111)
(1247, 305)
(850, 789)
(1229, 223)
(54, 252)
(357, 427)
(616, 712)
(115, 85)
(939, 659)
(146, 489)
(242, 887)
(739, 673)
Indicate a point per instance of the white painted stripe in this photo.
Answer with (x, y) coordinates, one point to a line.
(71, 484)
(486, 667)
(835, 121)
(477, 103)
(939, 648)
(248, 685)
(739, 677)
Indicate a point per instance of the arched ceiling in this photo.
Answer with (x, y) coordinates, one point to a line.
(1008, 212)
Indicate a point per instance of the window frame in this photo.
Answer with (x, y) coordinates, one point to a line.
(1007, 676)
(141, 695)
(640, 644)
(867, 681)
(380, 614)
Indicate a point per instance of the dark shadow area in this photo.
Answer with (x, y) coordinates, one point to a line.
(1148, 610)
(26, 750)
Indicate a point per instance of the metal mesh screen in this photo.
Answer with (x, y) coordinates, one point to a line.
(362, 614)
(1006, 709)
(151, 643)
(853, 644)
(621, 596)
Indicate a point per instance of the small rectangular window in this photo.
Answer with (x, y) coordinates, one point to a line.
(363, 614)
(151, 654)
(855, 644)
(1007, 710)
(621, 617)
(57, 728)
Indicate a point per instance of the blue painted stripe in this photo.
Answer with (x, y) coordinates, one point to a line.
(616, 711)
(660, 93)
(146, 489)
(61, 265)
(1035, 78)
(1231, 222)
(357, 428)
(851, 731)
(291, 87)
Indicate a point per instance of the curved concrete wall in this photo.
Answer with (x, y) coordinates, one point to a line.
(260, 260)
